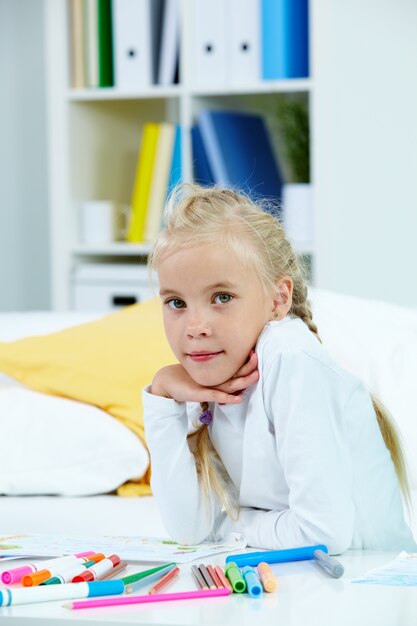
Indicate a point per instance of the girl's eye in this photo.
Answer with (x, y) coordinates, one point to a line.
(223, 298)
(175, 303)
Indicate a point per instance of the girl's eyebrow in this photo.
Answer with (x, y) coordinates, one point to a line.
(223, 285)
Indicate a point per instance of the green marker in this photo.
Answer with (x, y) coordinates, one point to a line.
(235, 577)
(134, 577)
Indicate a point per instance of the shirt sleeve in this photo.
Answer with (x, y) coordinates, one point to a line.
(186, 513)
(306, 402)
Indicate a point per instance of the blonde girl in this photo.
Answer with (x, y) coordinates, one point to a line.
(256, 430)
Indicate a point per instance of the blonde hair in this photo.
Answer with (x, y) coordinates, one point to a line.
(199, 215)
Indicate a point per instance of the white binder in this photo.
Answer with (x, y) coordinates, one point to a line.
(208, 49)
(132, 44)
(243, 21)
(169, 42)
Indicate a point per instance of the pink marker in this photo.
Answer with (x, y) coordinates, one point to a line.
(160, 597)
(16, 574)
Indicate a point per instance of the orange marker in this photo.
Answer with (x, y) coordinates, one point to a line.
(165, 580)
(225, 583)
(268, 578)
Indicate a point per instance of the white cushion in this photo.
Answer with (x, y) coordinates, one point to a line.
(377, 342)
(51, 445)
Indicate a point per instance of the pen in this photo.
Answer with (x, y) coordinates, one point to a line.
(201, 583)
(275, 556)
(165, 580)
(206, 575)
(27, 595)
(161, 597)
(329, 564)
(16, 574)
(149, 579)
(139, 575)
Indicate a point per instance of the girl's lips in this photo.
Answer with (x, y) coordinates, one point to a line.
(205, 356)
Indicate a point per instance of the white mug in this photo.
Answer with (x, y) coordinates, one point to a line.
(103, 221)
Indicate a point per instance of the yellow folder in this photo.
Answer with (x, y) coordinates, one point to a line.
(142, 184)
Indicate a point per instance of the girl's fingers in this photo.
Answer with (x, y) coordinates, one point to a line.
(248, 367)
(238, 384)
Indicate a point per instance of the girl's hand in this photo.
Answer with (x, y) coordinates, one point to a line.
(174, 382)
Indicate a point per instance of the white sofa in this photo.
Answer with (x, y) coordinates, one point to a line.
(374, 340)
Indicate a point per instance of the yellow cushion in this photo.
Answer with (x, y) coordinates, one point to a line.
(106, 363)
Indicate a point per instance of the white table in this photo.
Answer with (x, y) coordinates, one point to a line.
(306, 597)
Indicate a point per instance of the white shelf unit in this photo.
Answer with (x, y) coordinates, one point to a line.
(94, 137)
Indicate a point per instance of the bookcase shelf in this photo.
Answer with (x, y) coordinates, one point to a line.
(94, 137)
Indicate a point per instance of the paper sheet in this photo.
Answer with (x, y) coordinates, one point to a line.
(401, 571)
(131, 548)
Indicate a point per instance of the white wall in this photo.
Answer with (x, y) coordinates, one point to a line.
(24, 245)
(365, 114)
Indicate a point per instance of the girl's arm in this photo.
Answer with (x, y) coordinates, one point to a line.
(186, 514)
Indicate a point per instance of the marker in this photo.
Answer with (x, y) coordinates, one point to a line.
(67, 575)
(149, 579)
(134, 577)
(268, 578)
(252, 581)
(161, 597)
(165, 580)
(235, 577)
(275, 556)
(16, 574)
(329, 564)
(27, 595)
(32, 580)
(103, 567)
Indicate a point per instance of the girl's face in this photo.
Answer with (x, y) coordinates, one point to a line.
(214, 311)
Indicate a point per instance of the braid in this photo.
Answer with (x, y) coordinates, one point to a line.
(301, 306)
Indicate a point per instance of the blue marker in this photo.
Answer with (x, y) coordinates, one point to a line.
(28, 595)
(252, 581)
(275, 556)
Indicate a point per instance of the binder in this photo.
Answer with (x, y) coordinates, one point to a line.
(91, 42)
(240, 153)
(284, 39)
(168, 59)
(105, 44)
(142, 184)
(159, 181)
(175, 176)
(201, 166)
(77, 44)
(208, 48)
(132, 44)
(244, 41)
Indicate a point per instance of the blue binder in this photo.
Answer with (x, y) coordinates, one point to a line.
(201, 167)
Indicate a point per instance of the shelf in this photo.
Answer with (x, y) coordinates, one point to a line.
(116, 249)
(176, 91)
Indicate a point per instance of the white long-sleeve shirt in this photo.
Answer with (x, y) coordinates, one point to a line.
(303, 450)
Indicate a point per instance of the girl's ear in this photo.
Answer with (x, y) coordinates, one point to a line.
(282, 299)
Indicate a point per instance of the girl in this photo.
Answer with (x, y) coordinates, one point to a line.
(284, 447)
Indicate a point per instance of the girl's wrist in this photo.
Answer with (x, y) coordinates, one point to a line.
(158, 390)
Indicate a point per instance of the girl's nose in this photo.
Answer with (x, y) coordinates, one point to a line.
(198, 327)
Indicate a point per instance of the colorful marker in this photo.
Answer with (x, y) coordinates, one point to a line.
(92, 573)
(252, 581)
(329, 564)
(275, 556)
(16, 574)
(32, 580)
(67, 575)
(235, 577)
(27, 595)
(268, 578)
